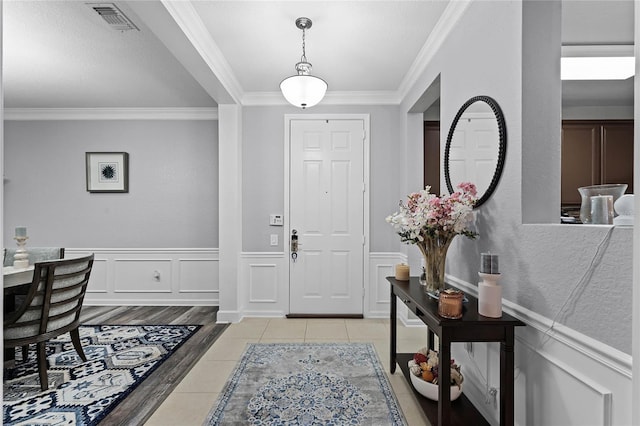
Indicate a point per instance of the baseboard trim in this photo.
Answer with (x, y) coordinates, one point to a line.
(151, 302)
(223, 317)
(347, 316)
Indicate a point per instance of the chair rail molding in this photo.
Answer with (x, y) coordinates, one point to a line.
(152, 276)
(593, 375)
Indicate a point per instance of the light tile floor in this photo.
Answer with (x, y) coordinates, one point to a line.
(192, 399)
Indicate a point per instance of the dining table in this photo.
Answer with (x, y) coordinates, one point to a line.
(16, 277)
(15, 281)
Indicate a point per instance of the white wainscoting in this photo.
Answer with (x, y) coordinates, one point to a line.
(152, 276)
(264, 287)
(382, 265)
(563, 378)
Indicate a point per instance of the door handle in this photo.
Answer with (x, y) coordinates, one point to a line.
(294, 245)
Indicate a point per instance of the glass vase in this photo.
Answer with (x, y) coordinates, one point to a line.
(434, 250)
(586, 192)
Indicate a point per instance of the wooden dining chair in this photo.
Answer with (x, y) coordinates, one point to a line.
(51, 307)
(15, 295)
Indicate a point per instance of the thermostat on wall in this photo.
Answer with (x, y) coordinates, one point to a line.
(276, 220)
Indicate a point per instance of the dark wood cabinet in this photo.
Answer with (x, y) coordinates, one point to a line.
(432, 155)
(617, 154)
(594, 153)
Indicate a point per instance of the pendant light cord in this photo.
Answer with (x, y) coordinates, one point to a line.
(304, 53)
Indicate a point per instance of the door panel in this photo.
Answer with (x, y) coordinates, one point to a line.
(326, 209)
(472, 157)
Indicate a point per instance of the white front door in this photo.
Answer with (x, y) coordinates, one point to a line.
(326, 208)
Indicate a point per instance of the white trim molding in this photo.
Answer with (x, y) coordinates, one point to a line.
(190, 22)
(230, 203)
(152, 276)
(36, 114)
(389, 97)
(381, 266)
(448, 20)
(581, 377)
(262, 278)
(264, 286)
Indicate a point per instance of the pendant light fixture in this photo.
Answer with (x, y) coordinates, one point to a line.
(303, 90)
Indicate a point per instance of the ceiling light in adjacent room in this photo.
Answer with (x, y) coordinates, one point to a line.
(597, 68)
(303, 90)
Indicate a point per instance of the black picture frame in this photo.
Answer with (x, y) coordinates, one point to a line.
(107, 171)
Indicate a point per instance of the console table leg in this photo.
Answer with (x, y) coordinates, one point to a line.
(432, 339)
(506, 379)
(392, 342)
(444, 379)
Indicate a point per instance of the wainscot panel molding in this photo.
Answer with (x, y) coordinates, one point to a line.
(382, 265)
(264, 286)
(562, 377)
(161, 277)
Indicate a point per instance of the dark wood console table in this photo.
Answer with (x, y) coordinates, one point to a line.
(472, 327)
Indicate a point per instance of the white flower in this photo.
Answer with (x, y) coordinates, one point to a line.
(426, 215)
(414, 368)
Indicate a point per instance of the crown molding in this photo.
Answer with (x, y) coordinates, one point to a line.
(331, 98)
(381, 97)
(452, 13)
(22, 114)
(187, 18)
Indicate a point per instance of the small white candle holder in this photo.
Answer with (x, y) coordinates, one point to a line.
(489, 295)
(21, 258)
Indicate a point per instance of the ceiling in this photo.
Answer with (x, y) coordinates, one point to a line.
(592, 22)
(62, 54)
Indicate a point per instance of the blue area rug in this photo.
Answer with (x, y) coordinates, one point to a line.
(307, 384)
(119, 359)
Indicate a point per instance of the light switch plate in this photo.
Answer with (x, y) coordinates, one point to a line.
(274, 239)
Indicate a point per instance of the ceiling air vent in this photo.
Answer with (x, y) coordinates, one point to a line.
(113, 16)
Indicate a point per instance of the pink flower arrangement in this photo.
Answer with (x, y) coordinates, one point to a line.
(427, 216)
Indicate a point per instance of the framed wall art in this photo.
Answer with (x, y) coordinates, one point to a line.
(107, 171)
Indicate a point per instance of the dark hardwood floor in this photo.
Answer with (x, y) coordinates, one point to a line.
(146, 398)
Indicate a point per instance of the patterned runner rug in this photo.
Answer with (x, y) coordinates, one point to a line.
(307, 384)
(119, 357)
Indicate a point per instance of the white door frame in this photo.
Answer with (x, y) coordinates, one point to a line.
(365, 208)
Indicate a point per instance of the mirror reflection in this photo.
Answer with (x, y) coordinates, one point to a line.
(476, 146)
(597, 115)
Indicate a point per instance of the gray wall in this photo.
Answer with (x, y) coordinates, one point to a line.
(263, 172)
(545, 268)
(173, 184)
